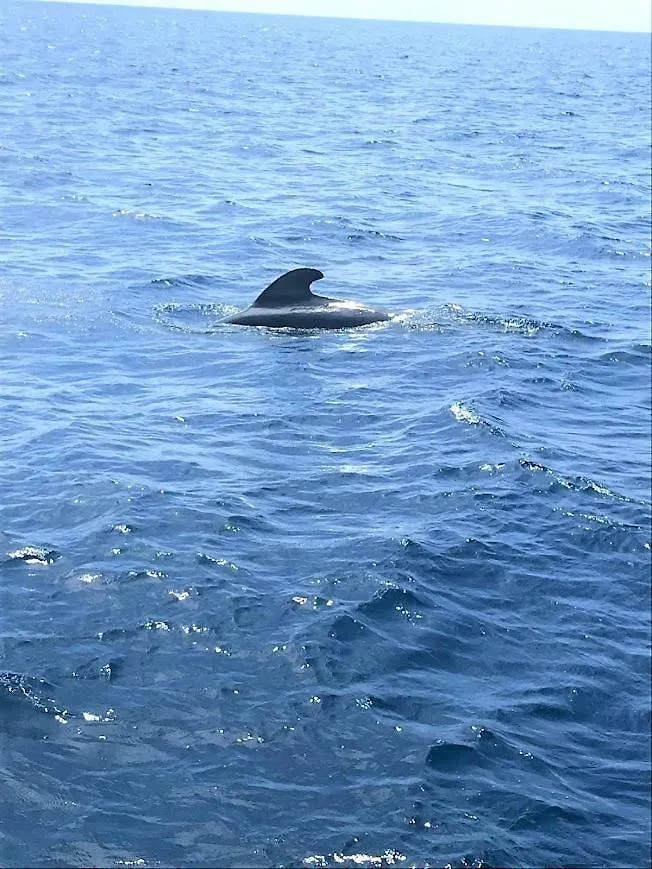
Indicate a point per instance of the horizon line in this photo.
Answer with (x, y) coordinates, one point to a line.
(201, 6)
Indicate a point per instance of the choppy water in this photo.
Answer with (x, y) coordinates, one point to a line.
(377, 597)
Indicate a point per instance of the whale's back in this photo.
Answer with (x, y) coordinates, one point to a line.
(288, 302)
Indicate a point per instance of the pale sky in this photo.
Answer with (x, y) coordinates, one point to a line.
(628, 15)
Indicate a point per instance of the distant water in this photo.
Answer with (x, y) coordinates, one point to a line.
(367, 598)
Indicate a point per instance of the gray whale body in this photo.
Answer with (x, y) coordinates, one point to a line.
(288, 302)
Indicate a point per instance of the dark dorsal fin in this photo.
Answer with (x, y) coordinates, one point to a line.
(291, 288)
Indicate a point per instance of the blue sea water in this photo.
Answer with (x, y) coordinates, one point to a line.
(377, 597)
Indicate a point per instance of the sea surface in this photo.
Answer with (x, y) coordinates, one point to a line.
(376, 597)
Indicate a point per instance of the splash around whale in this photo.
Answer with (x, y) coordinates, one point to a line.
(288, 302)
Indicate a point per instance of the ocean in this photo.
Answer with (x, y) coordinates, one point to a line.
(372, 597)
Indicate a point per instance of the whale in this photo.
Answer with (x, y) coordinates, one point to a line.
(289, 303)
